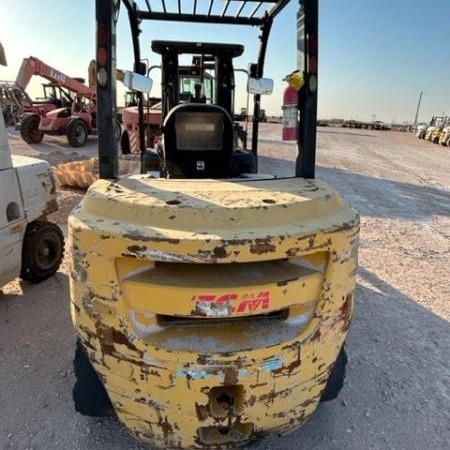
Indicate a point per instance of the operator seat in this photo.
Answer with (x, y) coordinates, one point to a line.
(198, 142)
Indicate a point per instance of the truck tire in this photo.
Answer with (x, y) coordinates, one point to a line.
(29, 130)
(7, 116)
(125, 143)
(77, 133)
(89, 395)
(42, 251)
(336, 381)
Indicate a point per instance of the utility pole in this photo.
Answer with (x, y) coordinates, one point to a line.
(417, 110)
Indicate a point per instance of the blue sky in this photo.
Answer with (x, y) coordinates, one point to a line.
(375, 56)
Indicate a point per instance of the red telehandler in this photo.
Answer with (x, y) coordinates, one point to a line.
(76, 115)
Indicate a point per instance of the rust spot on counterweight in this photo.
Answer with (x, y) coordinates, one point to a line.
(109, 336)
(220, 252)
(346, 311)
(202, 411)
(166, 427)
(135, 235)
(231, 376)
(262, 246)
(136, 248)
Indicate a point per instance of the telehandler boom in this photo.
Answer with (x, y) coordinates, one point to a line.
(76, 114)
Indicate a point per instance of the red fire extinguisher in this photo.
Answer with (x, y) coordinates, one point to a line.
(290, 114)
(290, 110)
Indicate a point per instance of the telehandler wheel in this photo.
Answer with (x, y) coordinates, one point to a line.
(42, 251)
(125, 143)
(336, 380)
(29, 130)
(7, 116)
(77, 133)
(89, 395)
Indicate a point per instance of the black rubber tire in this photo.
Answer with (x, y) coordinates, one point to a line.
(77, 133)
(29, 130)
(336, 381)
(7, 116)
(42, 251)
(89, 395)
(117, 130)
(125, 143)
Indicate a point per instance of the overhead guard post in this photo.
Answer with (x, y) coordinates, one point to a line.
(307, 64)
(135, 32)
(264, 37)
(106, 88)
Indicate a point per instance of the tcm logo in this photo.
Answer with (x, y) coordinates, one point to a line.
(249, 302)
(58, 75)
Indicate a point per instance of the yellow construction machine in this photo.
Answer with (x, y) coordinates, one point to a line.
(211, 302)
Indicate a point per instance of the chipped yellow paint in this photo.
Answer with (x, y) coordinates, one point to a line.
(212, 310)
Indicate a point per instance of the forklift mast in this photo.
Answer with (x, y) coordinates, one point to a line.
(262, 16)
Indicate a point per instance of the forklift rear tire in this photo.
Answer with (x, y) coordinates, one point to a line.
(336, 381)
(77, 133)
(29, 130)
(42, 251)
(89, 395)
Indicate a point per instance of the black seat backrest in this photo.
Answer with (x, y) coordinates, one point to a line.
(198, 142)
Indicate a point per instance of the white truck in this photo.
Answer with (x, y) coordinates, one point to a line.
(30, 246)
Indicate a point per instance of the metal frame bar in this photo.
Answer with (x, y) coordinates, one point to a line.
(106, 92)
(236, 19)
(255, 10)
(225, 7)
(241, 7)
(307, 48)
(211, 2)
(264, 37)
(198, 18)
(135, 32)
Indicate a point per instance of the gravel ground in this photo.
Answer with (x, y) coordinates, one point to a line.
(397, 393)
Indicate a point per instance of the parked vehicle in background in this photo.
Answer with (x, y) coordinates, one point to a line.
(444, 138)
(435, 123)
(75, 115)
(436, 135)
(421, 131)
(30, 246)
(241, 116)
(374, 125)
(13, 100)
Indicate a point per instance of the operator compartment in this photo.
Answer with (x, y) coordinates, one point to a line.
(198, 142)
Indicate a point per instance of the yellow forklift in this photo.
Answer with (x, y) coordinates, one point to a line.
(211, 302)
